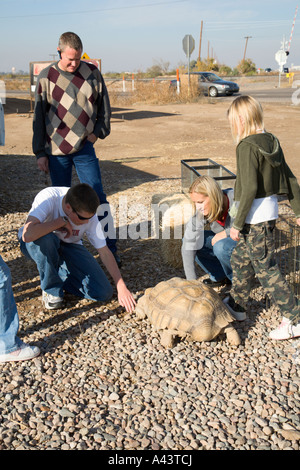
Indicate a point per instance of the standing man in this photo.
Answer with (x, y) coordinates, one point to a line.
(72, 110)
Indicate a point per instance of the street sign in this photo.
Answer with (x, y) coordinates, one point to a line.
(96, 62)
(280, 57)
(188, 44)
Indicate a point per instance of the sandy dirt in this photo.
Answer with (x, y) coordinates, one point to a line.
(153, 139)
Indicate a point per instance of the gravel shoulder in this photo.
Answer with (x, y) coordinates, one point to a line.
(103, 380)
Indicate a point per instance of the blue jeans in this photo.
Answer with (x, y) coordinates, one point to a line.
(88, 171)
(215, 259)
(9, 319)
(67, 266)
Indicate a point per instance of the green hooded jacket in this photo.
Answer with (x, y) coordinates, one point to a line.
(261, 172)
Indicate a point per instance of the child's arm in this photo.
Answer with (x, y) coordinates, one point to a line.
(219, 236)
(234, 234)
(124, 295)
(34, 229)
(247, 182)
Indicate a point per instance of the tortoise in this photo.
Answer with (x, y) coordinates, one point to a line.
(188, 309)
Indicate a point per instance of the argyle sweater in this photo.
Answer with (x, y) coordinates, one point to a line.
(69, 107)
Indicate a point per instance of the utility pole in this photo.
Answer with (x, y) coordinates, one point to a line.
(246, 37)
(200, 43)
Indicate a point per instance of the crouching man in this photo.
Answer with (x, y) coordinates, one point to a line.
(52, 238)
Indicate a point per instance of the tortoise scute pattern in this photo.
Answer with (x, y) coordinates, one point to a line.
(187, 309)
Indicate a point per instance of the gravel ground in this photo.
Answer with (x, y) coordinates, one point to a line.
(104, 382)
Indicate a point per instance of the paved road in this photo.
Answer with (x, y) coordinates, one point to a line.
(274, 94)
(14, 93)
(280, 95)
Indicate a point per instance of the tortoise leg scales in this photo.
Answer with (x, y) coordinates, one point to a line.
(232, 335)
(167, 338)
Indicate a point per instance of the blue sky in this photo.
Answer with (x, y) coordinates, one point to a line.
(136, 34)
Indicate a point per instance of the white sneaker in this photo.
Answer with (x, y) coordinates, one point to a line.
(285, 330)
(51, 302)
(24, 353)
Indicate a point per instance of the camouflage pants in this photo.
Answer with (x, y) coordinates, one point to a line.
(255, 255)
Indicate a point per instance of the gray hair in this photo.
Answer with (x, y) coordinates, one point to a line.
(71, 40)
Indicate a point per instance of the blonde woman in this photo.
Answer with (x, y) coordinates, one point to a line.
(211, 249)
(262, 173)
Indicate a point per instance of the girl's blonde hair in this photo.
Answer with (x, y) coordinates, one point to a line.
(209, 187)
(245, 116)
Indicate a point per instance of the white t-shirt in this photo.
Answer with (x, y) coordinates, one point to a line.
(47, 206)
(262, 210)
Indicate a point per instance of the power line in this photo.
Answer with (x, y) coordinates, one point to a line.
(81, 12)
(223, 25)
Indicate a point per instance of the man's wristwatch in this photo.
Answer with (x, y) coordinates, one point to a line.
(66, 221)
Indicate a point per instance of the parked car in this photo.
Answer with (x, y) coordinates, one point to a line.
(173, 84)
(213, 85)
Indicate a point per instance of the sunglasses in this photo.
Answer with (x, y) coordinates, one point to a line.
(80, 216)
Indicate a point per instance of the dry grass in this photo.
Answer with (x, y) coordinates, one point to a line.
(155, 92)
(22, 84)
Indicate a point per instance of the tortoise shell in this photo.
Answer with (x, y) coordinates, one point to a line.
(190, 309)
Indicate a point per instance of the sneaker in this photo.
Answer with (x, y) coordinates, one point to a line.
(285, 330)
(235, 309)
(51, 302)
(222, 282)
(24, 353)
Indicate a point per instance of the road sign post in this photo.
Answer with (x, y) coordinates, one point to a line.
(281, 59)
(178, 81)
(188, 44)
